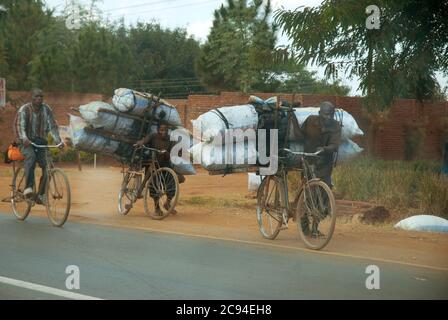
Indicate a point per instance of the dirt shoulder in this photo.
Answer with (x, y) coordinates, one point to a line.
(219, 207)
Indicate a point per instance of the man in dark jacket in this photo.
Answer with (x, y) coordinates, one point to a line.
(322, 133)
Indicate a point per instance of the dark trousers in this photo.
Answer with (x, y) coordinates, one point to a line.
(170, 193)
(33, 156)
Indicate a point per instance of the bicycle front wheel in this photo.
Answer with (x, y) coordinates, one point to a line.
(270, 207)
(58, 197)
(21, 207)
(316, 214)
(161, 193)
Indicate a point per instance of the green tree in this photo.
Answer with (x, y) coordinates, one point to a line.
(292, 77)
(240, 43)
(19, 26)
(397, 60)
(162, 54)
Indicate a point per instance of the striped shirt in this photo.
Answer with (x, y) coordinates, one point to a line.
(30, 124)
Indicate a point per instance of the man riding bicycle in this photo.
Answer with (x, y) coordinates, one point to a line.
(33, 122)
(161, 141)
(322, 133)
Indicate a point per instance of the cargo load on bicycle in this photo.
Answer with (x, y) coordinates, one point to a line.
(211, 129)
(113, 129)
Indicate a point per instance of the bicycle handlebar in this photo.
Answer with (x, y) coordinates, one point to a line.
(148, 148)
(46, 146)
(306, 154)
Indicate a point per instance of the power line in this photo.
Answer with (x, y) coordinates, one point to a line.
(138, 5)
(166, 8)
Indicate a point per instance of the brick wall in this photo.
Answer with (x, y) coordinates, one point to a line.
(386, 140)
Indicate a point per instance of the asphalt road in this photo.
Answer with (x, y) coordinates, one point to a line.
(117, 263)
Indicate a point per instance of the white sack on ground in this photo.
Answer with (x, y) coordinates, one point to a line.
(424, 223)
(211, 123)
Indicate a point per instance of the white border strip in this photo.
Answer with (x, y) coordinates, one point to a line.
(45, 289)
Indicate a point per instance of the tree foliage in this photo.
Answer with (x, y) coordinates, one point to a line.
(240, 43)
(37, 49)
(397, 60)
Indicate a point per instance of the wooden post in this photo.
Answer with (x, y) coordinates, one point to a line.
(78, 160)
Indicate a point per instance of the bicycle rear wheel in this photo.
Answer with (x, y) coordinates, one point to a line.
(316, 214)
(128, 193)
(58, 197)
(270, 207)
(21, 207)
(161, 193)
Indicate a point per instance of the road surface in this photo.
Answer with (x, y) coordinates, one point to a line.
(116, 263)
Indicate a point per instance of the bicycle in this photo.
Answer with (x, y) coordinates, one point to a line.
(314, 206)
(162, 185)
(57, 191)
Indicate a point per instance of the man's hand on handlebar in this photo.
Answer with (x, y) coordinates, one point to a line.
(139, 143)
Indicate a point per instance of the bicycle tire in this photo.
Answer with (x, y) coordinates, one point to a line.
(18, 197)
(274, 222)
(57, 194)
(301, 214)
(157, 185)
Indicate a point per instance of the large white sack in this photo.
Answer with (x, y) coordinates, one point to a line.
(134, 102)
(88, 141)
(211, 124)
(346, 152)
(253, 181)
(350, 127)
(127, 100)
(214, 157)
(166, 113)
(182, 166)
(424, 223)
(107, 121)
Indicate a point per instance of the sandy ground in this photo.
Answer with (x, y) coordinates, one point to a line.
(220, 207)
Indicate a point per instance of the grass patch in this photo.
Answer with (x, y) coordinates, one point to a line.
(398, 185)
(214, 202)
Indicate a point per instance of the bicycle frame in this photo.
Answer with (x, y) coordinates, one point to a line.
(145, 174)
(48, 160)
(306, 175)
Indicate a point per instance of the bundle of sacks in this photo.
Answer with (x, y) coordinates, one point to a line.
(101, 117)
(210, 129)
